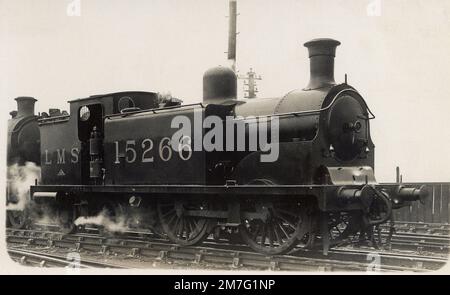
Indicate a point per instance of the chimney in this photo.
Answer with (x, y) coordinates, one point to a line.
(321, 56)
(25, 106)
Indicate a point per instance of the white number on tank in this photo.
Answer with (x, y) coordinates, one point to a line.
(129, 147)
(117, 153)
(165, 149)
(147, 145)
(185, 146)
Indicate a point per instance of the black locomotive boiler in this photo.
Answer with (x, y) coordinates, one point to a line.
(113, 153)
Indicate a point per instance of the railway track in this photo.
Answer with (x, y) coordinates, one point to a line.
(420, 227)
(416, 242)
(224, 255)
(408, 236)
(41, 259)
(401, 240)
(421, 243)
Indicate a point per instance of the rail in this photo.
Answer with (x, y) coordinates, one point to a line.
(221, 254)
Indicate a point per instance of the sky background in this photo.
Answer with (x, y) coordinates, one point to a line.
(395, 53)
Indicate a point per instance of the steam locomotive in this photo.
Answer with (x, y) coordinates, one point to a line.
(115, 153)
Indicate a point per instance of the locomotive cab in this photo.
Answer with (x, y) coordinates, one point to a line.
(90, 135)
(79, 149)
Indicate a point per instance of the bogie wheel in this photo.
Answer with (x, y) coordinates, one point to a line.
(179, 227)
(283, 225)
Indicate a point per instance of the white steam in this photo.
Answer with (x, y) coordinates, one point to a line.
(20, 178)
(104, 220)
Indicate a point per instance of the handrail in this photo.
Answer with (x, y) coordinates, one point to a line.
(296, 114)
(154, 111)
(53, 117)
(312, 112)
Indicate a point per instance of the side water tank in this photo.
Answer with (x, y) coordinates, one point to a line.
(219, 83)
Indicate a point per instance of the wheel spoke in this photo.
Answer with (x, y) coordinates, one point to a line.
(287, 221)
(181, 229)
(278, 232)
(172, 219)
(191, 228)
(270, 235)
(277, 235)
(263, 237)
(177, 225)
(287, 212)
(283, 230)
(168, 212)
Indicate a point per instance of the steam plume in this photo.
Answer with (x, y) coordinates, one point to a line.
(20, 178)
(103, 219)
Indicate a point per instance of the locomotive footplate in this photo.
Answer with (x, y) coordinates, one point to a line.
(329, 197)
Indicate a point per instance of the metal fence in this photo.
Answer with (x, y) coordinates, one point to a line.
(435, 210)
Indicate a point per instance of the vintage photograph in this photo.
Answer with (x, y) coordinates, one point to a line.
(225, 136)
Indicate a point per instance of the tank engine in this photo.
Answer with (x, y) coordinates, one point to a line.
(116, 152)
